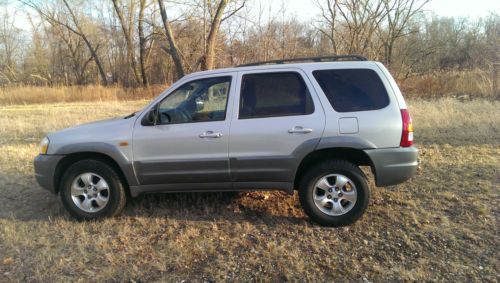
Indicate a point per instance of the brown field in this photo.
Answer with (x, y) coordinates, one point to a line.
(22, 95)
(466, 85)
(463, 84)
(440, 226)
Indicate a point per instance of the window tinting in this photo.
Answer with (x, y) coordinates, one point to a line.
(352, 89)
(274, 94)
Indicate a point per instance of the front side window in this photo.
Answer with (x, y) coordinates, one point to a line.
(350, 90)
(196, 101)
(274, 94)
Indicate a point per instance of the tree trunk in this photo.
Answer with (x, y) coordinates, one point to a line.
(173, 50)
(93, 52)
(142, 43)
(128, 38)
(97, 61)
(207, 62)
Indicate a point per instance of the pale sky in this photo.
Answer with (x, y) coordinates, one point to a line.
(473, 9)
(306, 9)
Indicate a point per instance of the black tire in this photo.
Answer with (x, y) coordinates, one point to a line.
(351, 171)
(117, 196)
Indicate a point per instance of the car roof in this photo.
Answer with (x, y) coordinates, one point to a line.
(303, 66)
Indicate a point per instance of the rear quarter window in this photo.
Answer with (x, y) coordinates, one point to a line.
(350, 90)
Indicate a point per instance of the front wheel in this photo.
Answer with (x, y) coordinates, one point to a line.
(91, 189)
(334, 193)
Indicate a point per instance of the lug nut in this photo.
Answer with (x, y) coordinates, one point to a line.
(340, 195)
(329, 196)
(330, 190)
(335, 199)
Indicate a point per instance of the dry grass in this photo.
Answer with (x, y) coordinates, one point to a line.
(449, 121)
(464, 84)
(22, 95)
(440, 226)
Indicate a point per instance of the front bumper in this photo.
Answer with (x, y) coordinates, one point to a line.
(393, 166)
(45, 169)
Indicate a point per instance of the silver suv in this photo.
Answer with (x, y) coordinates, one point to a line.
(277, 125)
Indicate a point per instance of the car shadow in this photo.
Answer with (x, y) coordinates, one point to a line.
(269, 207)
(27, 201)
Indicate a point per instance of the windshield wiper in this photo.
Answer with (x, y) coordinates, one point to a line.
(129, 116)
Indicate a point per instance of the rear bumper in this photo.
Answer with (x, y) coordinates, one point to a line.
(393, 166)
(45, 168)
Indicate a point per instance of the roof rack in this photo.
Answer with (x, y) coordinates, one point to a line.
(309, 59)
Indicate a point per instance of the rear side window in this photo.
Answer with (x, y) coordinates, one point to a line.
(351, 90)
(274, 94)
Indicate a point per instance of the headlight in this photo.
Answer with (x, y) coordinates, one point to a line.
(44, 145)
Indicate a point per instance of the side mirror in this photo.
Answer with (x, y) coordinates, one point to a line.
(151, 118)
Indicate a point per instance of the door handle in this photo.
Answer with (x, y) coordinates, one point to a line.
(299, 130)
(210, 134)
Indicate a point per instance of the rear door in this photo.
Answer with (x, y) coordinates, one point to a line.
(277, 120)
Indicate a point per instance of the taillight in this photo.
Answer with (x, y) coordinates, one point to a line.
(407, 136)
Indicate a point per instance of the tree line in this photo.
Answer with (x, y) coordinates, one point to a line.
(142, 42)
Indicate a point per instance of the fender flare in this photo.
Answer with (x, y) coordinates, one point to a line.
(126, 166)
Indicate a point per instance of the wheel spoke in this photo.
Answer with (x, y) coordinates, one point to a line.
(101, 201)
(324, 202)
(86, 179)
(319, 197)
(76, 190)
(340, 181)
(323, 184)
(102, 185)
(350, 196)
(87, 204)
(337, 207)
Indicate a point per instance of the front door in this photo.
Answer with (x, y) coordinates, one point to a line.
(189, 143)
(277, 121)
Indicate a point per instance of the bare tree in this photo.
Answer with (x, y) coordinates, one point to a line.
(329, 16)
(362, 19)
(207, 60)
(74, 42)
(217, 16)
(172, 49)
(128, 29)
(142, 42)
(398, 14)
(9, 45)
(74, 28)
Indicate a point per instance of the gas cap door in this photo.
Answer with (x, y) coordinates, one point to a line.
(348, 125)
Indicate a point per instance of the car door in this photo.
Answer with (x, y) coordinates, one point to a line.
(189, 142)
(277, 120)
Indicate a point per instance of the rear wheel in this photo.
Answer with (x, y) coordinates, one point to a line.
(91, 189)
(334, 193)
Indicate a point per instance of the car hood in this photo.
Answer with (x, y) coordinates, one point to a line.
(110, 131)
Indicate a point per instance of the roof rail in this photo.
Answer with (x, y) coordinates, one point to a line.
(309, 59)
